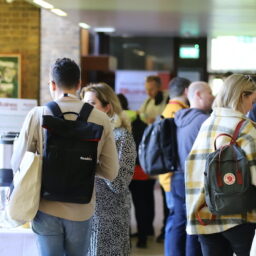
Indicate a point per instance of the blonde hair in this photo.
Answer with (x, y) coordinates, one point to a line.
(106, 95)
(234, 88)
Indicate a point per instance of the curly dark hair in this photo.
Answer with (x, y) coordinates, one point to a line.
(65, 73)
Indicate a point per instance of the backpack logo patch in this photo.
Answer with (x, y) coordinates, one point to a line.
(85, 158)
(229, 178)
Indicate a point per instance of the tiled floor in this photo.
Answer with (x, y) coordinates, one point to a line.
(153, 248)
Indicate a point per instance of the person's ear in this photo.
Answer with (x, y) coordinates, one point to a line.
(53, 86)
(198, 94)
(78, 87)
(108, 108)
(186, 92)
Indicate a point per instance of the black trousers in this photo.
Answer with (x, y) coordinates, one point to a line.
(143, 199)
(165, 210)
(237, 239)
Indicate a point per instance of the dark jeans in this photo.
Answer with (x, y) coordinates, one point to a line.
(169, 222)
(237, 240)
(143, 199)
(181, 243)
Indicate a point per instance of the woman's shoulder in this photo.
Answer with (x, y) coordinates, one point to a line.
(249, 128)
(122, 132)
(123, 136)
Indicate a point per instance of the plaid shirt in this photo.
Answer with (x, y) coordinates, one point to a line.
(222, 120)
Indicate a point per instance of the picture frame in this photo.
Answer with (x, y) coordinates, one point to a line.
(10, 75)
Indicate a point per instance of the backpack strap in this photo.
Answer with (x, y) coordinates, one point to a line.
(233, 138)
(85, 112)
(200, 220)
(56, 111)
(54, 107)
(236, 132)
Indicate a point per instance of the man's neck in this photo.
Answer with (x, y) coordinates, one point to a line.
(180, 98)
(196, 106)
(60, 92)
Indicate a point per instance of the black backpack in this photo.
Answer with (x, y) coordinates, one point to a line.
(158, 152)
(228, 188)
(70, 155)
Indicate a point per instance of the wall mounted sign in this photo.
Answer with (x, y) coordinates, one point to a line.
(13, 113)
(131, 84)
(10, 75)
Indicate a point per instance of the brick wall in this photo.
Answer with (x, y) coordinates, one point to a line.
(20, 33)
(59, 38)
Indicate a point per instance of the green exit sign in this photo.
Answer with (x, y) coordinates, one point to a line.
(189, 51)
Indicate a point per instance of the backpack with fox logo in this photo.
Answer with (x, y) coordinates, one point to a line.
(158, 148)
(228, 188)
(70, 155)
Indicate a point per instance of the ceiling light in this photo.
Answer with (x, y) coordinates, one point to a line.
(105, 29)
(84, 25)
(59, 12)
(43, 4)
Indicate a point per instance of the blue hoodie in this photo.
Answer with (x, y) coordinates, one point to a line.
(188, 122)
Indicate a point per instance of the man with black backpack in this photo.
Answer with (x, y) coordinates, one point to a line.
(151, 108)
(188, 122)
(178, 87)
(78, 143)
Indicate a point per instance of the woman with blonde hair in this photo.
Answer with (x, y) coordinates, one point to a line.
(110, 224)
(226, 234)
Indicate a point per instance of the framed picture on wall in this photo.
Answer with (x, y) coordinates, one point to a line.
(10, 75)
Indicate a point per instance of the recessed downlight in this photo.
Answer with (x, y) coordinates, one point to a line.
(43, 4)
(84, 25)
(59, 12)
(105, 29)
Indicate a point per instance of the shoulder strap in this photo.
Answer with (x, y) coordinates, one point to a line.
(236, 132)
(234, 137)
(85, 112)
(204, 222)
(54, 107)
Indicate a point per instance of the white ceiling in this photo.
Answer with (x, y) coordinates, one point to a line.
(165, 17)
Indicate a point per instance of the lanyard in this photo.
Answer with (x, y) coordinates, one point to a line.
(69, 95)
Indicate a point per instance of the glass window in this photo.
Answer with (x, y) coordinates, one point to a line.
(142, 53)
(232, 53)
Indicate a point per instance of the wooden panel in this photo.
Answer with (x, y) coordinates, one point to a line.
(98, 63)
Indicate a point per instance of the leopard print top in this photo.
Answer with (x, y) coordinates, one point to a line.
(110, 223)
